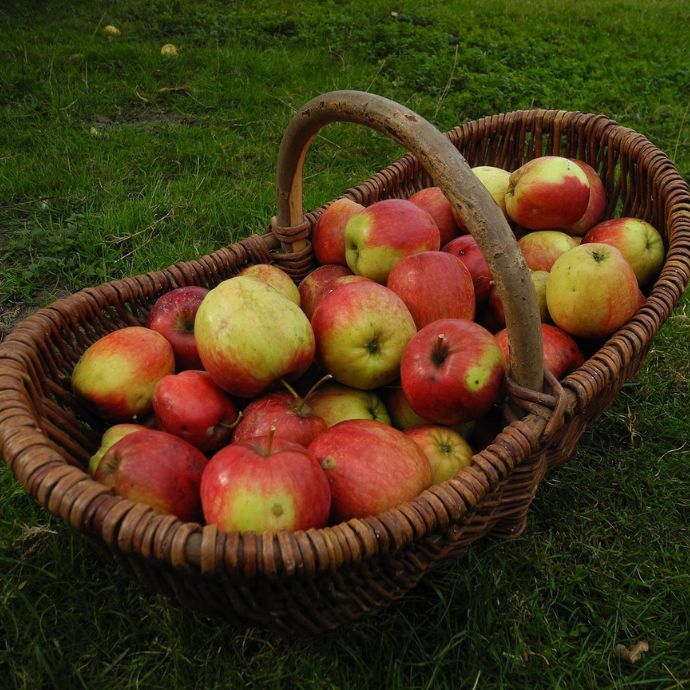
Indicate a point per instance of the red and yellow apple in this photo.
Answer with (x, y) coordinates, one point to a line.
(435, 202)
(445, 449)
(542, 247)
(317, 283)
(275, 277)
(596, 205)
(467, 250)
(337, 403)
(328, 238)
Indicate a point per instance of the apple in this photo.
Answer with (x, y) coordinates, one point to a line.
(452, 371)
(433, 285)
(336, 403)
(172, 315)
(190, 405)
(539, 280)
(384, 233)
(592, 291)
(276, 278)
(496, 181)
(398, 406)
(467, 250)
(328, 237)
(371, 467)
(249, 335)
(542, 247)
(597, 201)
(316, 283)
(290, 415)
(639, 242)
(110, 437)
(264, 484)
(445, 449)
(155, 468)
(546, 193)
(361, 330)
(119, 372)
(436, 204)
(561, 353)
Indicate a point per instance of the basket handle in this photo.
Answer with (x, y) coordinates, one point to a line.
(451, 172)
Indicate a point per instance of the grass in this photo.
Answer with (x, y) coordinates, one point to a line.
(116, 161)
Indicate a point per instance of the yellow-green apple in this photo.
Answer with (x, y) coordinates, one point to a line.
(398, 406)
(288, 414)
(384, 233)
(172, 315)
(496, 181)
(336, 403)
(445, 449)
(452, 371)
(110, 437)
(190, 405)
(249, 335)
(596, 205)
(328, 237)
(435, 202)
(119, 372)
(639, 242)
(467, 250)
(538, 279)
(158, 469)
(276, 278)
(316, 283)
(561, 353)
(546, 193)
(371, 467)
(265, 484)
(542, 247)
(361, 330)
(433, 285)
(592, 291)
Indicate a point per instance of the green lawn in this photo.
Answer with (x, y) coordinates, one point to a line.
(115, 160)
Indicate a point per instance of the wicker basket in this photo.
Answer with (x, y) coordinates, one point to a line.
(320, 579)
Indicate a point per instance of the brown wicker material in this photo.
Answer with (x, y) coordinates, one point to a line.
(320, 579)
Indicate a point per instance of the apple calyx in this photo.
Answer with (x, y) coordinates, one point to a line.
(598, 256)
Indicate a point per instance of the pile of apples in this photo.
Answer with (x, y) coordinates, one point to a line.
(262, 405)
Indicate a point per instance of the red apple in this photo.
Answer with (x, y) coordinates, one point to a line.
(249, 335)
(316, 283)
(361, 330)
(336, 403)
(190, 405)
(328, 237)
(467, 250)
(119, 372)
(265, 484)
(433, 285)
(445, 449)
(371, 467)
(542, 247)
(592, 291)
(597, 201)
(452, 371)
(546, 193)
(384, 233)
(276, 278)
(436, 204)
(156, 468)
(110, 437)
(561, 353)
(290, 415)
(639, 242)
(172, 315)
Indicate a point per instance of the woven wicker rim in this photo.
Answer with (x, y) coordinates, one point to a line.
(49, 461)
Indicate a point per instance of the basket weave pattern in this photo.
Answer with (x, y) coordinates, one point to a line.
(322, 578)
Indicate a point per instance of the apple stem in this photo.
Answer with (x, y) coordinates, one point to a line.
(293, 392)
(315, 387)
(269, 445)
(440, 352)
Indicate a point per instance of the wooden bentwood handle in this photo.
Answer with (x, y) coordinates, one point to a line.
(449, 171)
